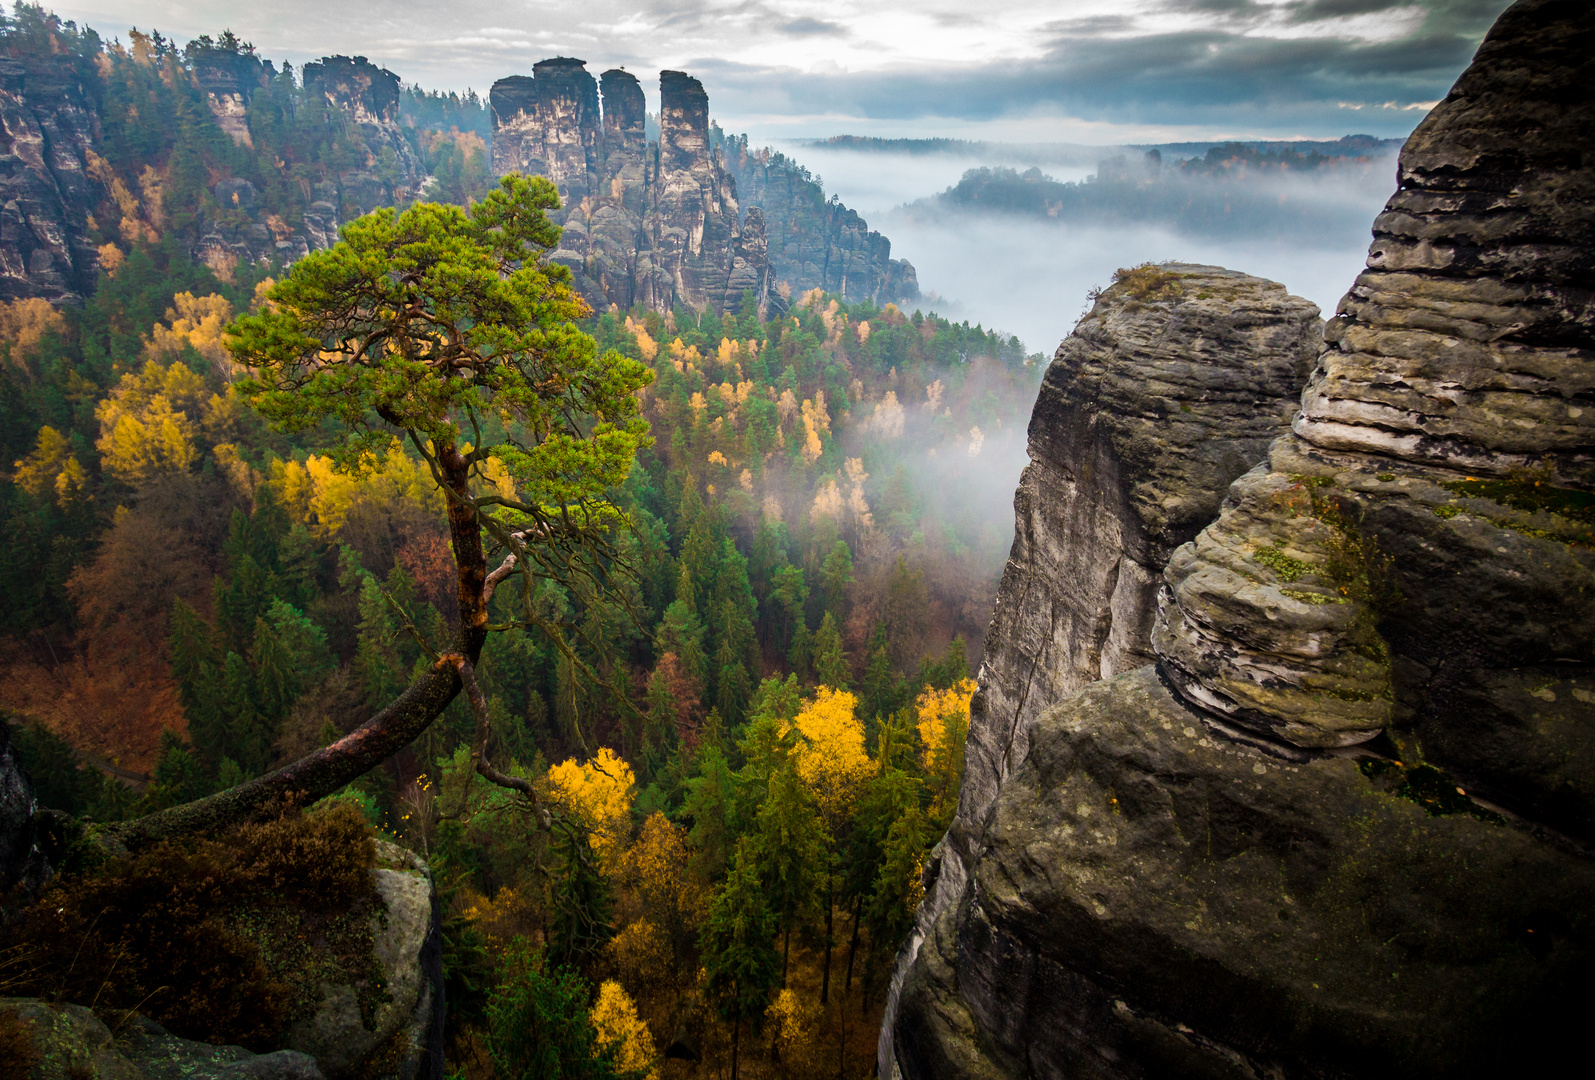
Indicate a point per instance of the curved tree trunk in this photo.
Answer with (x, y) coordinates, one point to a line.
(319, 774)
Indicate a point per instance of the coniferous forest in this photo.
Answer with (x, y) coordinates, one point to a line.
(726, 722)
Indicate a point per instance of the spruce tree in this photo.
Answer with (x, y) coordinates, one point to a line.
(739, 960)
(830, 662)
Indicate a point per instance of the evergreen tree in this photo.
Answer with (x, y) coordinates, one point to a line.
(884, 689)
(790, 848)
(582, 901)
(739, 959)
(836, 574)
(830, 662)
(538, 1025)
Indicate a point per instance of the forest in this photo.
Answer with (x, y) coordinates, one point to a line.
(753, 733)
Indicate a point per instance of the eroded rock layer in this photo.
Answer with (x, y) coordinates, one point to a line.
(651, 224)
(1341, 826)
(49, 129)
(1172, 386)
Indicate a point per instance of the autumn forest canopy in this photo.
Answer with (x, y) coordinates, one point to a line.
(651, 633)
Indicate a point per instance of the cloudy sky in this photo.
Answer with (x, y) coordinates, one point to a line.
(1095, 71)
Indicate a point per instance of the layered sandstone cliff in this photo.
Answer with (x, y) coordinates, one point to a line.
(656, 224)
(49, 129)
(1172, 386)
(1340, 827)
(815, 242)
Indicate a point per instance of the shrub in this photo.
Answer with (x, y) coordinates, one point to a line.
(225, 940)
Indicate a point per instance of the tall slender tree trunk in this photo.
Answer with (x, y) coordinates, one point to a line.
(830, 915)
(736, 1033)
(786, 953)
(852, 946)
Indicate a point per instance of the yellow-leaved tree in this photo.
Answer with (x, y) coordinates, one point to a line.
(615, 1021)
(943, 727)
(833, 767)
(195, 322)
(52, 471)
(830, 754)
(149, 422)
(598, 792)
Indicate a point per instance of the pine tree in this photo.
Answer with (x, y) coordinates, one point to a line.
(836, 574)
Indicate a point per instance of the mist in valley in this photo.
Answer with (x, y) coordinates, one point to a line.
(1029, 275)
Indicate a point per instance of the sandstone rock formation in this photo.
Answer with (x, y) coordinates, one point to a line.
(1172, 386)
(337, 1036)
(366, 96)
(49, 128)
(229, 74)
(1340, 827)
(653, 224)
(816, 243)
(71, 1043)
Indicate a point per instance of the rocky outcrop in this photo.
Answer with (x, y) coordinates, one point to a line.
(653, 224)
(71, 1043)
(337, 1035)
(392, 174)
(49, 128)
(1341, 827)
(815, 242)
(229, 74)
(1172, 386)
(367, 97)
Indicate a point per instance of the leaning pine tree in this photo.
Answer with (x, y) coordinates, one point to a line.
(447, 328)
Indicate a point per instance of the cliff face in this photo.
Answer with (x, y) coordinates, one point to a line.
(816, 243)
(49, 127)
(392, 174)
(1172, 386)
(1339, 827)
(366, 96)
(655, 224)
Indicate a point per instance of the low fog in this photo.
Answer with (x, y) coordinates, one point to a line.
(1029, 275)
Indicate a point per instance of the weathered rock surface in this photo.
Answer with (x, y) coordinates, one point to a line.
(1149, 409)
(49, 128)
(337, 1035)
(1197, 869)
(814, 242)
(72, 1043)
(1466, 343)
(1157, 899)
(656, 224)
(368, 99)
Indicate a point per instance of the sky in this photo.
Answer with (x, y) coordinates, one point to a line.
(1084, 71)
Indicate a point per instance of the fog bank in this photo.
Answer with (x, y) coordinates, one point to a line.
(1030, 275)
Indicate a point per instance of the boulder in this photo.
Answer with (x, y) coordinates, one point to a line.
(401, 1028)
(69, 1042)
(1157, 898)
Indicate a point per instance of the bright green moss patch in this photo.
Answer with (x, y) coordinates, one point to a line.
(1429, 787)
(1446, 512)
(1284, 567)
(1530, 493)
(1312, 597)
